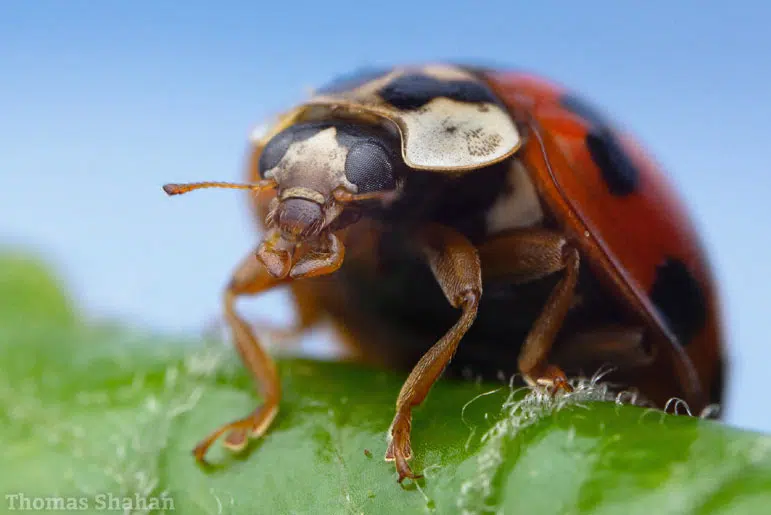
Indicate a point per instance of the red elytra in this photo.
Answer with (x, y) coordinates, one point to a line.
(627, 237)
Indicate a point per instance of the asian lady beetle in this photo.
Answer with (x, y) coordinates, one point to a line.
(394, 199)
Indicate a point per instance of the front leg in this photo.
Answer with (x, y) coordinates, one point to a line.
(256, 275)
(455, 264)
(250, 278)
(328, 258)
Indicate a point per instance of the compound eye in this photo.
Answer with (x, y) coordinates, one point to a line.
(274, 150)
(370, 167)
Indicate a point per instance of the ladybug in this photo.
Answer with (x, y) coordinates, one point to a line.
(418, 206)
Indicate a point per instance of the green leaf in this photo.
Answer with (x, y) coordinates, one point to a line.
(90, 411)
(29, 293)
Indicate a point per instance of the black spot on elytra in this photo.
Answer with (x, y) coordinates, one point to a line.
(680, 299)
(352, 80)
(415, 90)
(618, 169)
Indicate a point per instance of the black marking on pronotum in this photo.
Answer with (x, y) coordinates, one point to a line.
(619, 171)
(372, 162)
(278, 145)
(352, 80)
(415, 90)
(274, 150)
(680, 299)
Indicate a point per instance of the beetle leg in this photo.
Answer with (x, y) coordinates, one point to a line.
(250, 278)
(321, 262)
(307, 309)
(307, 313)
(455, 264)
(533, 357)
(527, 255)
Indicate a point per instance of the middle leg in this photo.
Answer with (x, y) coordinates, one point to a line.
(527, 255)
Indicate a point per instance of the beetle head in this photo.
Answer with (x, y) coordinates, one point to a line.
(320, 172)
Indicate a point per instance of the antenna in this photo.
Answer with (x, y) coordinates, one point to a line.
(179, 189)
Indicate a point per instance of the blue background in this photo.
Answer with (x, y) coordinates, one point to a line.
(102, 102)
